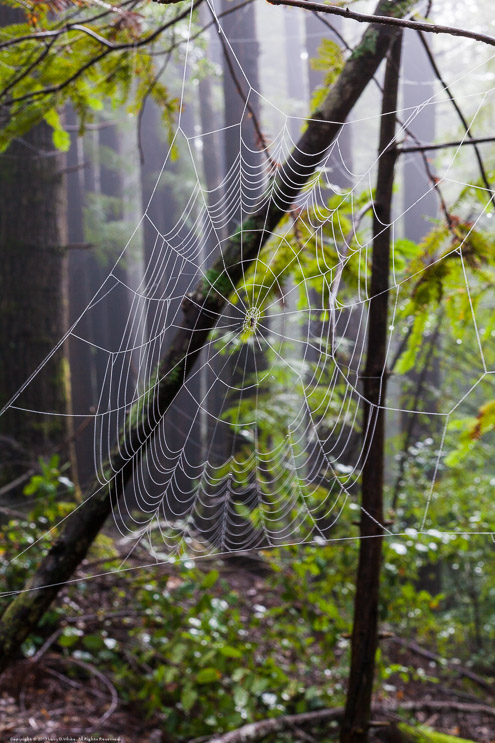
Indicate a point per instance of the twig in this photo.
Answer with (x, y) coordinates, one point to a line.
(303, 735)
(412, 419)
(387, 20)
(430, 655)
(109, 48)
(445, 145)
(18, 481)
(334, 30)
(463, 119)
(335, 285)
(418, 148)
(25, 72)
(114, 699)
(256, 730)
(432, 704)
(47, 644)
(148, 92)
(11, 513)
(245, 98)
(41, 35)
(60, 447)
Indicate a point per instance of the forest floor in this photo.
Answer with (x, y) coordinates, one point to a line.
(55, 696)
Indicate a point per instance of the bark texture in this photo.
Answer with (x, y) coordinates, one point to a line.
(32, 310)
(201, 309)
(365, 628)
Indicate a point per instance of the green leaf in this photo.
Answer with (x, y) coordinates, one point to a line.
(69, 637)
(188, 697)
(241, 696)
(210, 579)
(239, 673)
(178, 652)
(208, 676)
(61, 139)
(229, 652)
(93, 642)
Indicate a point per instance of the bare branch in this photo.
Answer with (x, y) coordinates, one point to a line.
(244, 97)
(446, 145)
(257, 730)
(387, 20)
(464, 122)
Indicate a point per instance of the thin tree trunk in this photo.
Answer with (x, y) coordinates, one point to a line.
(201, 309)
(365, 629)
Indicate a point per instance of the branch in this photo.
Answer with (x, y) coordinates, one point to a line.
(403, 456)
(257, 730)
(109, 48)
(445, 145)
(244, 97)
(430, 655)
(41, 35)
(82, 27)
(405, 128)
(464, 122)
(364, 641)
(387, 20)
(441, 706)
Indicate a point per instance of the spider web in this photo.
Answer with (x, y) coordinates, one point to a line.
(262, 446)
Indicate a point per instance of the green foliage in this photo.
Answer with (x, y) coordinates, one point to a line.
(49, 497)
(92, 60)
(330, 61)
(436, 274)
(469, 431)
(204, 658)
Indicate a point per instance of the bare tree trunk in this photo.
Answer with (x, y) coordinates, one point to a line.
(365, 629)
(201, 310)
(32, 309)
(240, 70)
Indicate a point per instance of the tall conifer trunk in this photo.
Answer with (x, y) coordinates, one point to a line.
(32, 306)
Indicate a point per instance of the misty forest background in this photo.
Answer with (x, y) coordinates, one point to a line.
(195, 649)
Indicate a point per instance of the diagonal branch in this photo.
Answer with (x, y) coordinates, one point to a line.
(201, 310)
(387, 20)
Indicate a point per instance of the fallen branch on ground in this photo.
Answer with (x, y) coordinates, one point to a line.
(257, 730)
(430, 655)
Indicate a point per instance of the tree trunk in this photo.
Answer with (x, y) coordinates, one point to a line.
(365, 630)
(32, 311)
(240, 70)
(201, 309)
